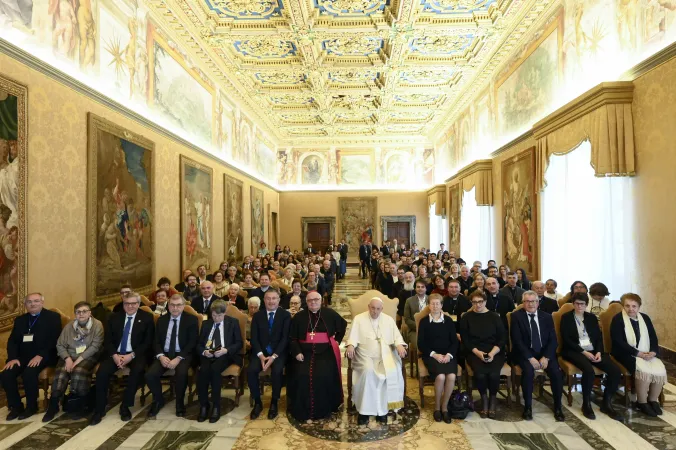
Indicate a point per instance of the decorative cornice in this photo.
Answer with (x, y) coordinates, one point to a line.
(436, 189)
(34, 63)
(650, 63)
(470, 169)
(616, 92)
(517, 140)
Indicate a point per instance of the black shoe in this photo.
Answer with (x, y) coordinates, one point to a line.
(362, 420)
(28, 412)
(215, 415)
(527, 413)
(51, 412)
(125, 414)
(587, 410)
(14, 413)
(382, 419)
(656, 407)
(483, 412)
(647, 409)
(204, 412)
(96, 419)
(272, 412)
(180, 411)
(256, 411)
(492, 404)
(437, 416)
(558, 415)
(607, 408)
(447, 417)
(155, 408)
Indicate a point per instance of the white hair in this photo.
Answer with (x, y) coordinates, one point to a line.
(255, 301)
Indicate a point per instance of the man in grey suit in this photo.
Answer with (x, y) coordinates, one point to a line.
(413, 306)
(511, 290)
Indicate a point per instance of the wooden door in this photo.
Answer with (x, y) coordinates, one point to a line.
(319, 235)
(399, 231)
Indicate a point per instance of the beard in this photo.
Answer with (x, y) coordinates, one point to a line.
(409, 286)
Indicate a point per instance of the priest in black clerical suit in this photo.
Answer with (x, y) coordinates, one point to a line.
(314, 389)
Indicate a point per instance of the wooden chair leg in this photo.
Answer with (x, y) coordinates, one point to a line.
(570, 393)
(509, 391)
(516, 383)
(45, 387)
(627, 390)
(661, 397)
(421, 388)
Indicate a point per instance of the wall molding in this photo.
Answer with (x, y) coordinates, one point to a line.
(305, 221)
(44, 68)
(470, 169)
(384, 220)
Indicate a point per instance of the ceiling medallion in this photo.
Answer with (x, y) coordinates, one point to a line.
(350, 7)
(266, 48)
(446, 45)
(353, 46)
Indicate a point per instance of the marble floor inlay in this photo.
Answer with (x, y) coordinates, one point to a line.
(180, 440)
(525, 441)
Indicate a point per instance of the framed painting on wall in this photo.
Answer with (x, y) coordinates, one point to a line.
(120, 212)
(519, 213)
(355, 167)
(357, 216)
(196, 220)
(257, 219)
(13, 146)
(454, 195)
(234, 243)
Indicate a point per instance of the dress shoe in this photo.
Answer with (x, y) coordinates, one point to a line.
(362, 420)
(492, 405)
(204, 412)
(447, 417)
(382, 419)
(272, 412)
(154, 409)
(28, 412)
(51, 412)
(215, 415)
(607, 408)
(95, 420)
(558, 415)
(587, 410)
(647, 409)
(656, 407)
(437, 416)
(527, 413)
(256, 411)
(180, 410)
(14, 413)
(125, 414)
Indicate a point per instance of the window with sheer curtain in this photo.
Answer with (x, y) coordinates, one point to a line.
(476, 230)
(438, 230)
(587, 225)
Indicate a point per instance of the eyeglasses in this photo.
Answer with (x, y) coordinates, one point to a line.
(478, 302)
(125, 293)
(82, 311)
(579, 304)
(130, 303)
(531, 301)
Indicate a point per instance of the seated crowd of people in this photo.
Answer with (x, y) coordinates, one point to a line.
(293, 334)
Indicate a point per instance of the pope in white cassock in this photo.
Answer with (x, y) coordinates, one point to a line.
(376, 348)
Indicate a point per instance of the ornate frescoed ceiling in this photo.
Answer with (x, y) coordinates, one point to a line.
(323, 71)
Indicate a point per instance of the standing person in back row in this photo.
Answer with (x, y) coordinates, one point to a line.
(364, 257)
(342, 249)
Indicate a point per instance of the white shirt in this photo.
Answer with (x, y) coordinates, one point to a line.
(220, 329)
(170, 328)
(131, 328)
(537, 323)
(422, 302)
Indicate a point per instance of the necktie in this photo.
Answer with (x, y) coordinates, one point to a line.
(172, 340)
(125, 336)
(217, 336)
(206, 306)
(534, 335)
(271, 318)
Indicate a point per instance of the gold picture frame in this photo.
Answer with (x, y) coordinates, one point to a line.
(197, 206)
(233, 193)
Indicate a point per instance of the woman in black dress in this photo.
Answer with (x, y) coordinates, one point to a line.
(438, 346)
(483, 335)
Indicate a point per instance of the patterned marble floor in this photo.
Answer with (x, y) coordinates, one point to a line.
(415, 429)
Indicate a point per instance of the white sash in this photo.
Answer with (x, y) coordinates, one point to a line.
(653, 370)
(395, 394)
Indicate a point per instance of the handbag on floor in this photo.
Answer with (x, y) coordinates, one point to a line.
(460, 405)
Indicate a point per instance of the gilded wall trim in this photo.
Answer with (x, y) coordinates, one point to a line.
(650, 63)
(32, 62)
(470, 169)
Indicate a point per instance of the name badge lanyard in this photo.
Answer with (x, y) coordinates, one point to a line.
(32, 324)
(585, 336)
(211, 336)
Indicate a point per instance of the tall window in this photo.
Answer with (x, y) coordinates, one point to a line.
(438, 230)
(476, 230)
(587, 225)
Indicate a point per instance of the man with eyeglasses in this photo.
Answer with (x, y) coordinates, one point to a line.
(79, 348)
(127, 342)
(534, 348)
(175, 342)
(125, 290)
(30, 348)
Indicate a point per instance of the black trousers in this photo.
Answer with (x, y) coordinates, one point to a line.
(587, 368)
(29, 375)
(106, 371)
(153, 380)
(528, 376)
(276, 374)
(210, 375)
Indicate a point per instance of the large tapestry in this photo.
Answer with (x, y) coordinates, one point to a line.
(13, 248)
(454, 194)
(358, 219)
(196, 208)
(257, 219)
(120, 210)
(519, 213)
(234, 244)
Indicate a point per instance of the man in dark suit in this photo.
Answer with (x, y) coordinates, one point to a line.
(264, 286)
(491, 263)
(247, 264)
(269, 340)
(202, 274)
(296, 289)
(364, 257)
(309, 250)
(127, 343)
(534, 348)
(175, 342)
(385, 249)
(512, 291)
(455, 303)
(329, 279)
(192, 291)
(30, 348)
(180, 287)
(548, 305)
(497, 301)
(202, 304)
(342, 249)
(124, 291)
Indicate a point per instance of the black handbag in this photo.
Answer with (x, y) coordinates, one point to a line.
(460, 405)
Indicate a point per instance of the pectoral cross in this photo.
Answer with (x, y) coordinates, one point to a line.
(312, 336)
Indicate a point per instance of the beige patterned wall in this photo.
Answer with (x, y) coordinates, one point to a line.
(56, 206)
